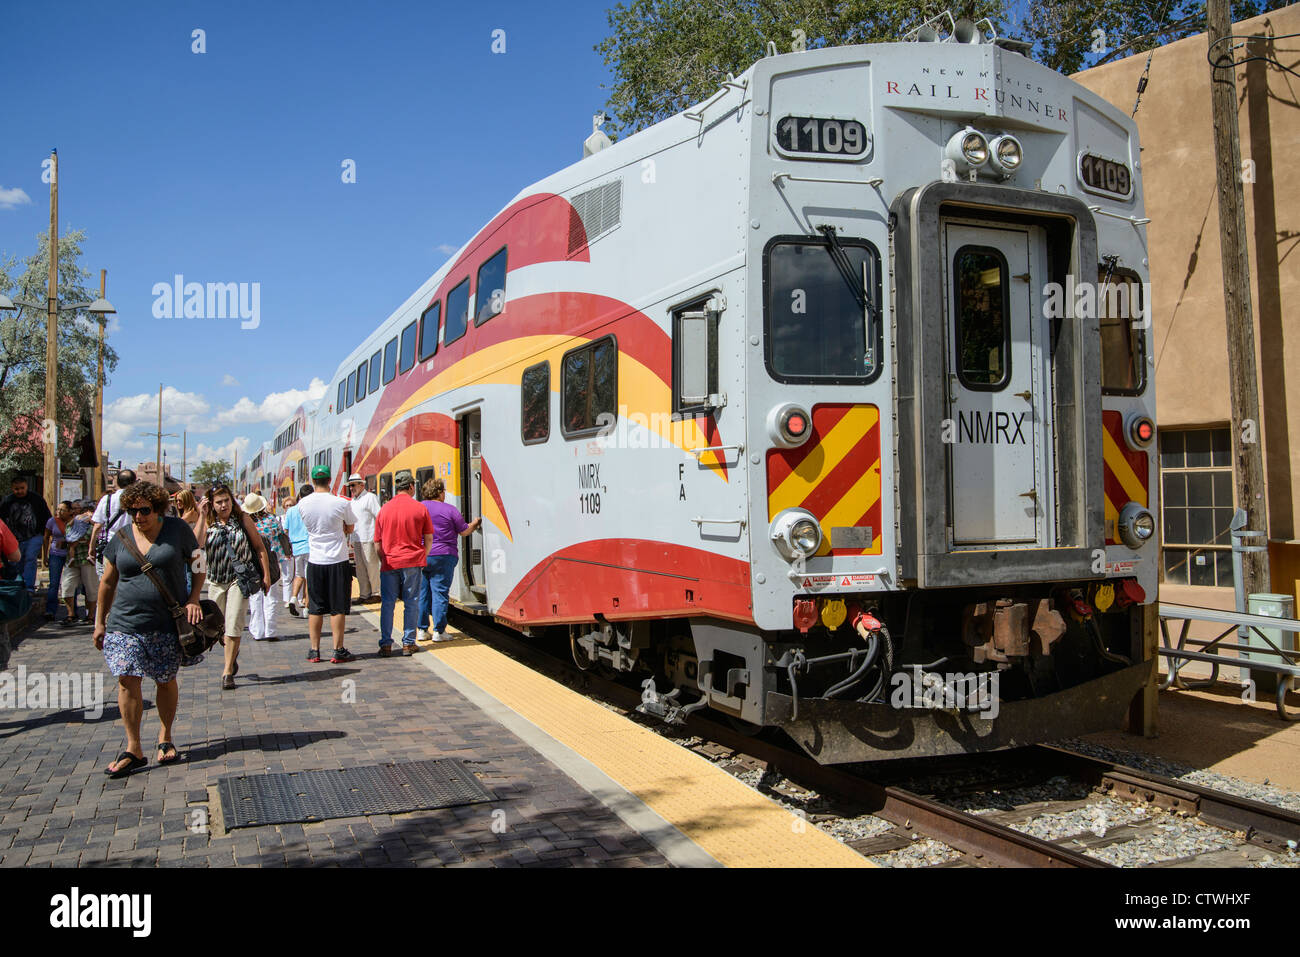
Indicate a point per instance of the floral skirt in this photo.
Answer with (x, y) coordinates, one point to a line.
(151, 655)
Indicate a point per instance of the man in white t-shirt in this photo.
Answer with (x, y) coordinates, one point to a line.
(109, 519)
(329, 521)
(365, 506)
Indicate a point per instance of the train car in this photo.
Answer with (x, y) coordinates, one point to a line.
(285, 456)
(826, 404)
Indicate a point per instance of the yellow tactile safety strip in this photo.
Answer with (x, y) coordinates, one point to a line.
(728, 820)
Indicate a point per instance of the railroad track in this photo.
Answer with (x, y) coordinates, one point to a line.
(978, 840)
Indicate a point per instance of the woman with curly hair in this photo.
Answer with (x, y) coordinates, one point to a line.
(134, 626)
(236, 562)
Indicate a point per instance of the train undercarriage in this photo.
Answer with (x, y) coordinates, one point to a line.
(905, 675)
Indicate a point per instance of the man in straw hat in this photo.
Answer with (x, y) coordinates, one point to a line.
(365, 506)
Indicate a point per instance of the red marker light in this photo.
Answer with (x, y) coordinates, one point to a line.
(796, 424)
(1145, 431)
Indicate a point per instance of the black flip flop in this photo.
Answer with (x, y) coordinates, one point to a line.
(165, 748)
(134, 764)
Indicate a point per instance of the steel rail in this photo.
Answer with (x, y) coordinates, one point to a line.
(1268, 826)
(984, 841)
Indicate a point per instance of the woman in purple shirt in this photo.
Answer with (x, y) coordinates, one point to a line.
(448, 526)
(56, 549)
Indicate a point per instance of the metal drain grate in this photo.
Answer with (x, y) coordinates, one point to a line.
(284, 798)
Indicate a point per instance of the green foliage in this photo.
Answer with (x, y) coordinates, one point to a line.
(211, 473)
(667, 55)
(22, 357)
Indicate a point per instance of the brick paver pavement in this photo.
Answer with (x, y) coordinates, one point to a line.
(57, 807)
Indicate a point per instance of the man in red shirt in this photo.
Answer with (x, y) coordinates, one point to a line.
(10, 553)
(403, 537)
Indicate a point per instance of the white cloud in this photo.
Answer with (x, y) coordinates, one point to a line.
(272, 410)
(228, 379)
(10, 198)
(447, 249)
(207, 453)
(126, 417)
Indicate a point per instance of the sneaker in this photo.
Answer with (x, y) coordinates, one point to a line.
(342, 656)
(443, 636)
(422, 635)
(293, 609)
(408, 650)
(313, 655)
(385, 651)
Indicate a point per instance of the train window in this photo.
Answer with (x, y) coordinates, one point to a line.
(457, 313)
(390, 360)
(980, 291)
(302, 470)
(695, 357)
(421, 476)
(408, 349)
(1123, 346)
(823, 317)
(343, 385)
(429, 331)
(374, 373)
(361, 381)
(491, 299)
(385, 487)
(590, 388)
(535, 387)
(370, 483)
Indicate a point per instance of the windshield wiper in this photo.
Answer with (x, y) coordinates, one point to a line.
(845, 269)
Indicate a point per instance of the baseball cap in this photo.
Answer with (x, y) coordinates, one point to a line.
(320, 472)
(403, 479)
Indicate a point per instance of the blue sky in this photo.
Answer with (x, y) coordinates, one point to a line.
(227, 166)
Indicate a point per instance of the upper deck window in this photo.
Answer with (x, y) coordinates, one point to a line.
(491, 299)
(374, 372)
(429, 331)
(390, 360)
(408, 349)
(817, 328)
(457, 313)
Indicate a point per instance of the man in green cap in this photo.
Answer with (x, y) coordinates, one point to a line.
(329, 521)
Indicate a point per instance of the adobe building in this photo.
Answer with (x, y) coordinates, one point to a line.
(1188, 336)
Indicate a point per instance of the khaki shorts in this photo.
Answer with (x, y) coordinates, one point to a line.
(232, 603)
(83, 575)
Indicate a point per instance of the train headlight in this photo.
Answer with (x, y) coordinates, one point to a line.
(789, 426)
(968, 149)
(1006, 154)
(796, 534)
(1136, 525)
(974, 148)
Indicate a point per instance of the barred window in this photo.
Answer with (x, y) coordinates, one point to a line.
(1197, 506)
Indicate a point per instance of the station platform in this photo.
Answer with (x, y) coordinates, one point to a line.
(570, 783)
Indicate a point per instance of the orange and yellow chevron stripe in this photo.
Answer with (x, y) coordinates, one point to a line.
(835, 474)
(1126, 472)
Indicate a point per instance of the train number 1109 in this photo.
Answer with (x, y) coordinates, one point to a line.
(811, 134)
(589, 503)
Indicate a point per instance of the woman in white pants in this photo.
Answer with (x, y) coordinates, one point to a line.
(262, 605)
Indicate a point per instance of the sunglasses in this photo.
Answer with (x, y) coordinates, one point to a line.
(142, 510)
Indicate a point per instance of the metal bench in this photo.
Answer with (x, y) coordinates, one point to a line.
(1286, 666)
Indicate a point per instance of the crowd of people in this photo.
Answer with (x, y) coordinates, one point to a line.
(142, 559)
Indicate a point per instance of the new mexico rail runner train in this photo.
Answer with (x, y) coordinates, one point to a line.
(836, 382)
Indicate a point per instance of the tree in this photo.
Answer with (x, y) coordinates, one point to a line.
(22, 359)
(211, 473)
(667, 55)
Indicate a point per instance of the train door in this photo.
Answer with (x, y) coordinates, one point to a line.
(996, 432)
(471, 501)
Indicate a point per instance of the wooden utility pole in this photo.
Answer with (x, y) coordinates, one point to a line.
(99, 397)
(1247, 449)
(185, 442)
(157, 459)
(50, 427)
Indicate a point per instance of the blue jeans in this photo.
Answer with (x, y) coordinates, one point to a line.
(56, 572)
(438, 570)
(31, 550)
(405, 581)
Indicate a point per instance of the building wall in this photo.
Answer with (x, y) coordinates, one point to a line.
(1189, 334)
